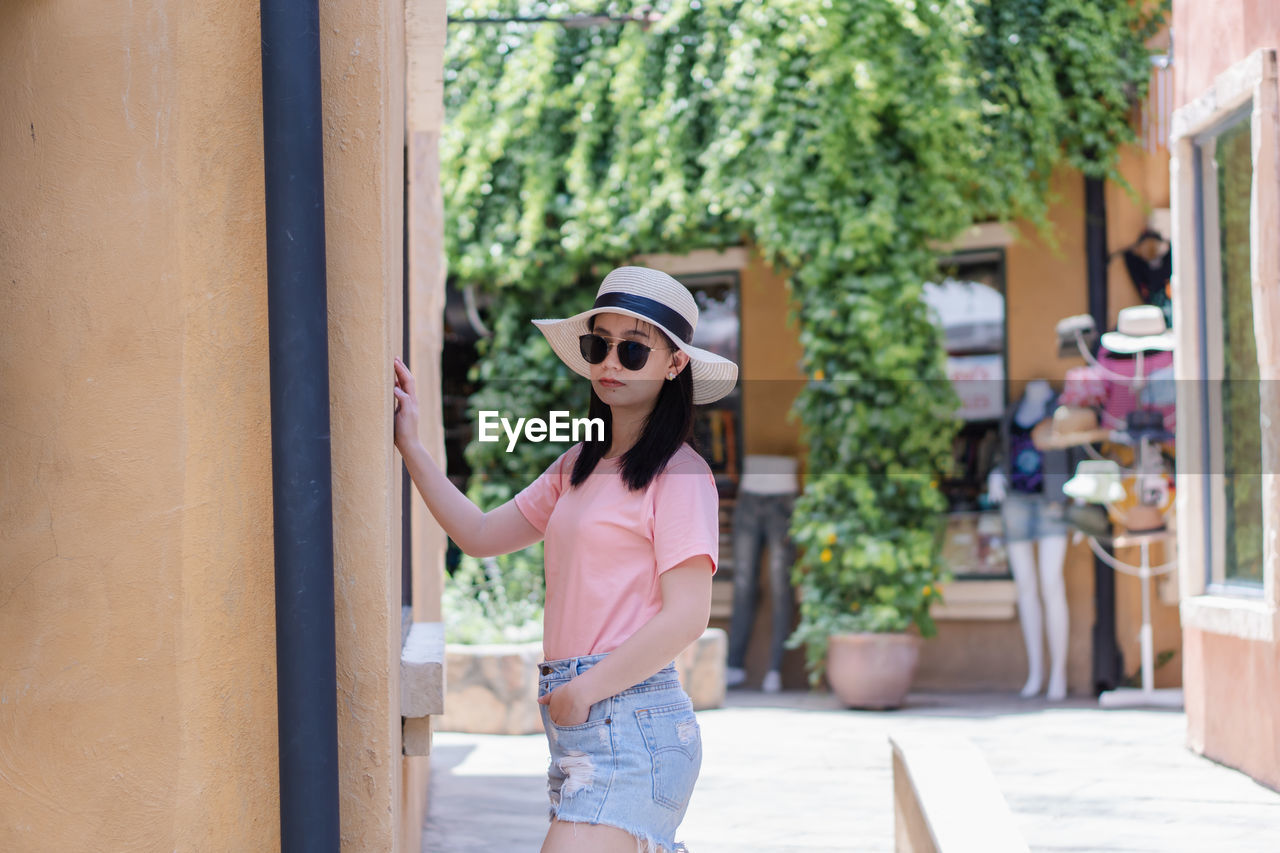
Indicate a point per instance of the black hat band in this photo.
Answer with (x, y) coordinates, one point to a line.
(651, 308)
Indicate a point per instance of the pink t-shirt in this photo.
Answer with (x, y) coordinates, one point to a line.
(606, 546)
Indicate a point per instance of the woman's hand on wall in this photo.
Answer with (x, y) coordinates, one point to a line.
(477, 533)
(406, 406)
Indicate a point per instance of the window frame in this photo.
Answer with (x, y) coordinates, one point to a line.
(1247, 88)
(994, 255)
(981, 595)
(1213, 363)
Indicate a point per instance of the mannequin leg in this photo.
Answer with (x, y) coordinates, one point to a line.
(1022, 562)
(781, 559)
(1053, 590)
(747, 543)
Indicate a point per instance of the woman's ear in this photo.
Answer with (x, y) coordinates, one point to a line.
(679, 358)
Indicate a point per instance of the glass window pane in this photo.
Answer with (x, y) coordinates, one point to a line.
(969, 306)
(1241, 427)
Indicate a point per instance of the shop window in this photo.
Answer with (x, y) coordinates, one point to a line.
(1224, 175)
(968, 303)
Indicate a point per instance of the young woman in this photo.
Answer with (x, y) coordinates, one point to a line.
(631, 534)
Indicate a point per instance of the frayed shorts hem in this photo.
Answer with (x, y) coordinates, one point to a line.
(645, 843)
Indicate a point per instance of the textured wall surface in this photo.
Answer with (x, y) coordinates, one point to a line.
(363, 61)
(1231, 683)
(1212, 35)
(137, 687)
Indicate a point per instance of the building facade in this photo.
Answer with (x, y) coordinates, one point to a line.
(1226, 215)
(138, 692)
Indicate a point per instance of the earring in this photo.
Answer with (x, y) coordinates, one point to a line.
(671, 376)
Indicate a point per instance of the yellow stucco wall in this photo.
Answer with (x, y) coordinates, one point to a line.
(362, 56)
(771, 369)
(137, 690)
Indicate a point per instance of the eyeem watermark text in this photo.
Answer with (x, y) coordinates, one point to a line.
(560, 427)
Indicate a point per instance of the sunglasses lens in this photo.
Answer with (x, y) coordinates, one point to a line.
(632, 355)
(594, 348)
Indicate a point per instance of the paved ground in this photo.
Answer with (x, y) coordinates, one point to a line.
(794, 772)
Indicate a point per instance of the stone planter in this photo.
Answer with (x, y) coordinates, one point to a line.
(872, 671)
(493, 689)
(701, 669)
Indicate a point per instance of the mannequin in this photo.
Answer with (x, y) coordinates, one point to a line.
(1027, 483)
(766, 498)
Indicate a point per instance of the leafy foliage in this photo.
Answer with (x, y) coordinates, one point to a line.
(484, 603)
(842, 138)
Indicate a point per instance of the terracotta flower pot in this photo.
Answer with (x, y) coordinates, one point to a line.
(872, 670)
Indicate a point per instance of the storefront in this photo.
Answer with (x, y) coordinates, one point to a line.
(1226, 203)
(1004, 290)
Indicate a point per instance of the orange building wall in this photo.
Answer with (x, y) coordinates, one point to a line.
(771, 369)
(137, 688)
(362, 61)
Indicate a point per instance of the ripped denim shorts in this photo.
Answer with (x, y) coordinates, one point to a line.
(632, 764)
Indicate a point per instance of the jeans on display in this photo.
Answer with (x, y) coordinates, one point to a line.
(1031, 516)
(760, 520)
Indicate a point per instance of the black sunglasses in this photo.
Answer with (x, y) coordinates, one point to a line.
(631, 354)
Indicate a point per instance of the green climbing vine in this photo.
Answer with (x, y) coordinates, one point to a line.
(840, 137)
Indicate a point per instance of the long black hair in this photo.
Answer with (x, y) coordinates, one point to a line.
(668, 426)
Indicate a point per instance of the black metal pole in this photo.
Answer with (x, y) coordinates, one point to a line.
(1108, 665)
(306, 663)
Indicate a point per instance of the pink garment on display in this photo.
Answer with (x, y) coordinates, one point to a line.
(1083, 386)
(1159, 392)
(607, 545)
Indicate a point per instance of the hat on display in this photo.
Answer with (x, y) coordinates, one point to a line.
(1139, 328)
(654, 297)
(1073, 328)
(1096, 481)
(1143, 424)
(1070, 426)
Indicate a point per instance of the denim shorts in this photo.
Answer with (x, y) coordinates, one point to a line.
(632, 764)
(1027, 517)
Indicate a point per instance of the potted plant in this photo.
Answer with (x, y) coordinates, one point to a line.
(864, 607)
(870, 519)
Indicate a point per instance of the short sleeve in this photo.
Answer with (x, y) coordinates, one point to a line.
(536, 500)
(686, 516)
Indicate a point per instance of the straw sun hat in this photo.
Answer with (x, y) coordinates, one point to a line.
(1138, 328)
(656, 298)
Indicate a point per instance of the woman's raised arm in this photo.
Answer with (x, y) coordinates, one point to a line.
(477, 533)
